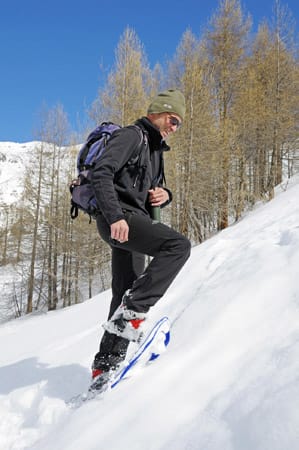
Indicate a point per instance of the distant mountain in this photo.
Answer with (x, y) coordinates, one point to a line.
(13, 160)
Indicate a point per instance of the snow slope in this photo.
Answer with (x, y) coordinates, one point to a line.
(229, 380)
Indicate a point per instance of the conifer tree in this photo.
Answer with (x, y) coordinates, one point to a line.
(129, 84)
(191, 159)
(226, 41)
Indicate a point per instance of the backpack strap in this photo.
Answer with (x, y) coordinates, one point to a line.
(143, 145)
(160, 178)
(74, 210)
(142, 133)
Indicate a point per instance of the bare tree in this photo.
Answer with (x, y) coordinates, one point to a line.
(36, 216)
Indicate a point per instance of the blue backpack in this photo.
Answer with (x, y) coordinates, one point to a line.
(82, 192)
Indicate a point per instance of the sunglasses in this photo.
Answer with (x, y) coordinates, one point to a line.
(175, 122)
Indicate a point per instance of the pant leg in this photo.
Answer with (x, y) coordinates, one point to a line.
(169, 249)
(126, 267)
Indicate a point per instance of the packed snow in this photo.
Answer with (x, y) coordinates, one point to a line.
(228, 381)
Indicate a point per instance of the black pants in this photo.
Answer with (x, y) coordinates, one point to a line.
(169, 251)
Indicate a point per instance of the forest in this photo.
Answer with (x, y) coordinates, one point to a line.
(239, 140)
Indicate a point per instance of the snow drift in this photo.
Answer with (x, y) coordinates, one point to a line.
(228, 381)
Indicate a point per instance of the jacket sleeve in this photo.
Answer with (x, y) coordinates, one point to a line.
(119, 150)
(169, 195)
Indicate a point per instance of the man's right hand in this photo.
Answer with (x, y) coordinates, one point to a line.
(120, 231)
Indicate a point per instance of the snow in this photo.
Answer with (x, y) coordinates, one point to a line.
(228, 381)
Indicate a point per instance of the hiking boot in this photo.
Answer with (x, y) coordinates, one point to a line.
(100, 380)
(126, 323)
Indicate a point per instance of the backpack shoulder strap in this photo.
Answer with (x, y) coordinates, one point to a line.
(142, 133)
(143, 144)
(138, 159)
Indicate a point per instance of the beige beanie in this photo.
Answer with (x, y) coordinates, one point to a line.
(172, 101)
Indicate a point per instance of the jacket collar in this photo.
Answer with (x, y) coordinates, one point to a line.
(155, 139)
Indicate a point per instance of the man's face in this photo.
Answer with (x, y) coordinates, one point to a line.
(167, 123)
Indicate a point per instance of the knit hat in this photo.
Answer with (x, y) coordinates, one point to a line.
(172, 101)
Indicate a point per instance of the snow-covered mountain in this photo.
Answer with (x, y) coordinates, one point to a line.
(229, 380)
(14, 158)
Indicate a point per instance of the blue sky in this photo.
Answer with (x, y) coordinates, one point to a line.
(51, 52)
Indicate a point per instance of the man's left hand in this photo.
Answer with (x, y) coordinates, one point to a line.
(158, 196)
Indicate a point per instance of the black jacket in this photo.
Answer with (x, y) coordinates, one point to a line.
(124, 174)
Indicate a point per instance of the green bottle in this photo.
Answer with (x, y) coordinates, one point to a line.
(156, 213)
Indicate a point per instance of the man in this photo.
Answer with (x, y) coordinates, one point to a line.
(128, 183)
